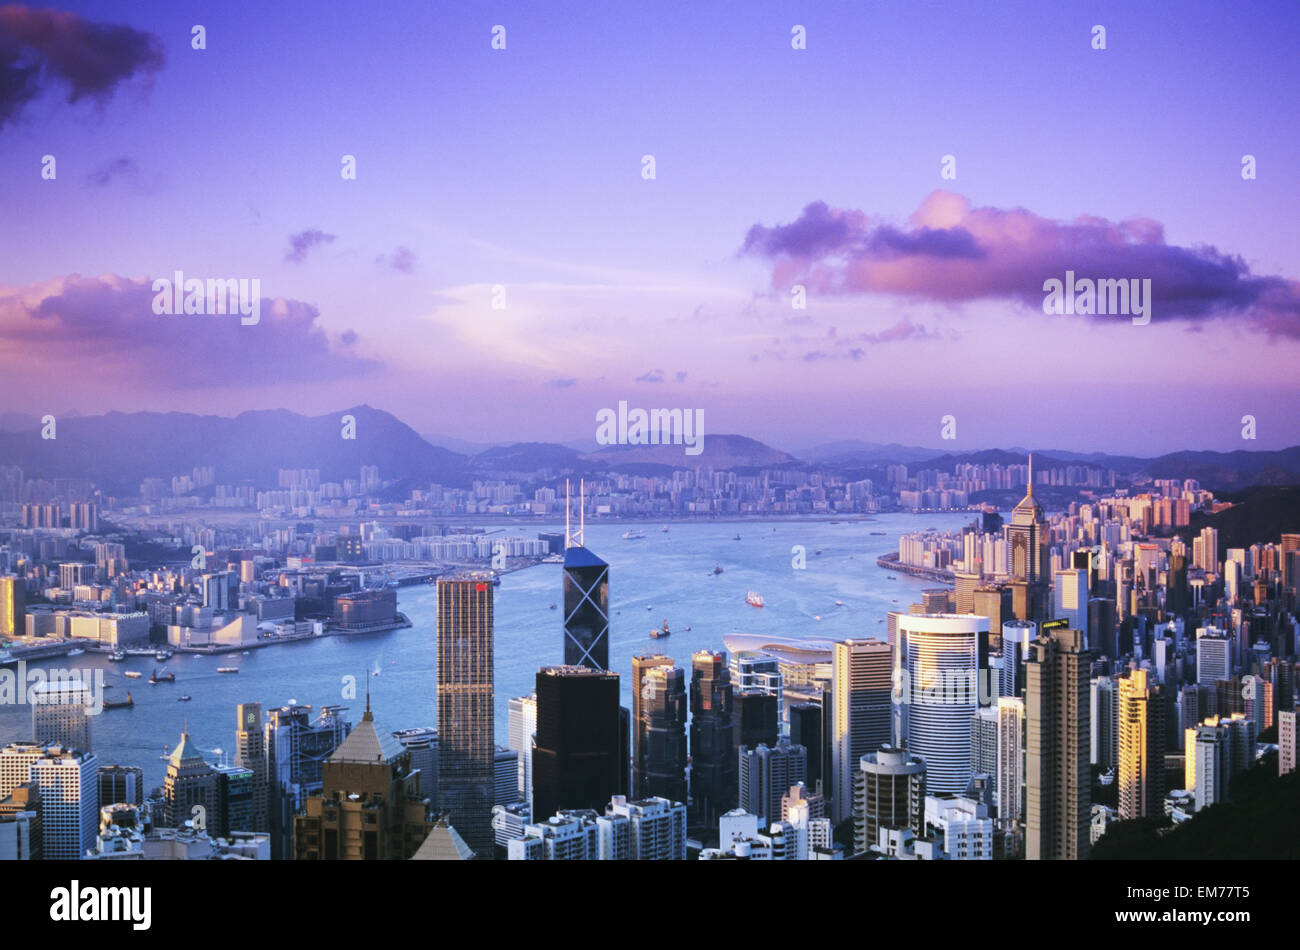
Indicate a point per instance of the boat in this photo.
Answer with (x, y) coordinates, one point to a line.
(817, 617)
(133, 674)
(650, 608)
(227, 669)
(76, 651)
(662, 632)
(117, 656)
(552, 606)
(688, 628)
(183, 699)
(631, 534)
(163, 677)
(717, 569)
(839, 603)
(754, 599)
(123, 704)
(879, 533)
(162, 656)
(665, 529)
(736, 538)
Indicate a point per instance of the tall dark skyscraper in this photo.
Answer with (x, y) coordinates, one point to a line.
(640, 666)
(662, 732)
(579, 753)
(465, 726)
(757, 718)
(586, 609)
(1058, 779)
(713, 755)
(806, 729)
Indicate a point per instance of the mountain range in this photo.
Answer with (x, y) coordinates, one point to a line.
(118, 450)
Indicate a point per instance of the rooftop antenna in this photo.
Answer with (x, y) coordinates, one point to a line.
(573, 539)
(1031, 474)
(582, 511)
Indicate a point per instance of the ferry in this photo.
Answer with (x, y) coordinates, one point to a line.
(120, 705)
(183, 699)
(631, 534)
(76, 651)
(662, 632)
(163, 677)
(754, 599)
(117, 656)
(880, 533)
(736, 538)
(227, 669)
(552, 606)
(133, 674)
(665, 529)
(717, 569)
(162, 656)
(839, 603)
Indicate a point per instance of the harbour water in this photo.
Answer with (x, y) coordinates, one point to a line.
(663, 576)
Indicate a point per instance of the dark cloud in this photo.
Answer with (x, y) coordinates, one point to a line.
(41, 49)
(109, 322)
(304, 241)
(951, 252)
(123, 167)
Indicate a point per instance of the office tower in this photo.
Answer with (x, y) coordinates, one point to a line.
(505, 776)
(756, 717)
(465, 726)
(1213, 655)
(1209, 764)
(984, 741)
(936, 600)
(1103, 724)
(13, 612)
(942, 655)
(1071, 598)
(250, 753)
(657, 827)
(799, 796)
(69, 794)
(765, 774)
(61, 714)
(1016, 635)
(235, 797)
(713, 745)
(586, 609)
(965, 584)
(422, 743)
(994, 602)
(1140, 778)
(21, 834)
(296, 748)
(889, 793)
(1207, 550)
(369, 807)
(190, 788)
(640, 666)
(121, 784)
(523, 726)
(663, 733)
(1058, 781)
(861, 690)
(1030, 565)
(806, 730)
(752, 671)
(1281, 675)
(576, 758)
(1009, 775)
(1286, 742)
(1102, 633)
(962, 825)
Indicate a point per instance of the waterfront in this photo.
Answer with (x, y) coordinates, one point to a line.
(667, 572)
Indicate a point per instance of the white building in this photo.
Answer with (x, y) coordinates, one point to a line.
(69, 787)
(962, 824)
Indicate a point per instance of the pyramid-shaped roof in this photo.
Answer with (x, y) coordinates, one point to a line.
(367, 744)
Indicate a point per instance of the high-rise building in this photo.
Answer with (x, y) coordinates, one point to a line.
(640, 665)
(13, 611)
(250, 753)
(807, 730)
(465, 724)
(861, 690)
(296, 748)
(234, 801)
(1213, 655)
(422, 743)
(576, 759)
(942, 655)
(69, 794)
(757, 718)
(369, 806)
(765, 774)
(21, 834)
(662, 728)
(1286, 742)
(1071, 597)
(121, 784)
(61, 714)
(1058, 781)
(190, 788)
(1009, 776)
(523, 727)
(586, 609)
(889, 793)
(657, 827)
(712, 746)
(505, 777)
(1027, 535)
(1142, 716)
(1209, 763)
(1103, 724)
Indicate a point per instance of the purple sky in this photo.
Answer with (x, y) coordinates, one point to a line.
(775, 166)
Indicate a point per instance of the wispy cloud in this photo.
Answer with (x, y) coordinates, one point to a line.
(302, 242)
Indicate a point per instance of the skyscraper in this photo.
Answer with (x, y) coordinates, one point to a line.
(465, 725)
(861, 686)
(523, 726)
(61, 714)
(69, 794)
(1141, 773)
(190, 789)
(757, 718)
(662, 726)
(13, 612)
(1058, 780)
(576, 760)
(889, 793)
(250, 753)
(766, 774)
(640, 665)
(586, 609)
(1103, 724)
(942, 655)
(713, 758)
(806, 729)
(1030, 565)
